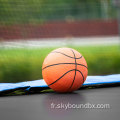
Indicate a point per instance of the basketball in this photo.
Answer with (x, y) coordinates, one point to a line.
(64, 70)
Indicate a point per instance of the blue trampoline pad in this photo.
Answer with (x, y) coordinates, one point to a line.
(90, 81)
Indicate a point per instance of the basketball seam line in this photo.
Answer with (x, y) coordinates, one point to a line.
(81, 74)
(61, 76)
(66, 55)
(75, 70)
(64, 63)
(65, 74)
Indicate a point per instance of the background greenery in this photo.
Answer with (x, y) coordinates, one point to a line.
(25, 64)
(39, 11)
(18, 65)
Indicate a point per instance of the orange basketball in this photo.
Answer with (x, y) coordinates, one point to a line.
(64, 70)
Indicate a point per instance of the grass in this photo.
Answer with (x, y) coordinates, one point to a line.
(20, 64)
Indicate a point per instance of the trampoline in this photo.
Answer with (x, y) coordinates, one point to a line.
(36, 103)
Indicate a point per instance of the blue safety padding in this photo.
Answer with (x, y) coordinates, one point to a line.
(91, 80)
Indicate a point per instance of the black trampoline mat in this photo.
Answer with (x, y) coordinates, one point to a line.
(38, 106)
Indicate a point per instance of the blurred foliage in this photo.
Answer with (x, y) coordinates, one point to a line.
(20, 64)
(39, 11)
